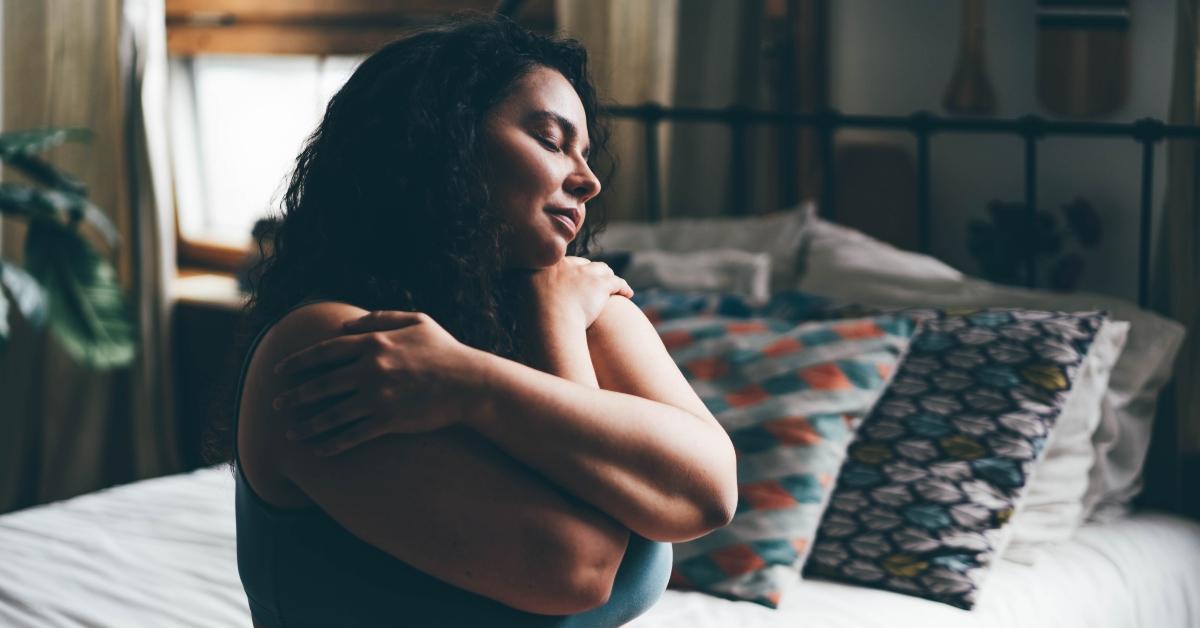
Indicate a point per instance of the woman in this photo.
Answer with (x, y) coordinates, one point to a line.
(449, 418)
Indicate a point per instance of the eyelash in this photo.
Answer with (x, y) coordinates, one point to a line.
(551, 146)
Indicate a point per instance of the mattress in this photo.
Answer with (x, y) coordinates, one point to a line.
(161, 553)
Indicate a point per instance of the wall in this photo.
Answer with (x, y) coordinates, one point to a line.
(897, 57)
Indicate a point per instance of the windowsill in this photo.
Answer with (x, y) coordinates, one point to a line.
(208, 289)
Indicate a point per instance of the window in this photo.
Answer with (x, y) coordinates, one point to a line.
(237, 124)
(249, 81)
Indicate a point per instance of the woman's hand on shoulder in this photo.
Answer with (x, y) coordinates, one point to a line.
(575, 288)
(392, 372)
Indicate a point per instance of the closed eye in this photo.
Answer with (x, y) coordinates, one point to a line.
(549, 144)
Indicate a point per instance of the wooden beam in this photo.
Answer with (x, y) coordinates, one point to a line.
(534, 14)
(303, 10)
(316, 26)
(338, 39)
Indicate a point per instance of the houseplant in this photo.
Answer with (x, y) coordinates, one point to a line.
(65, 283)
(1003, 243)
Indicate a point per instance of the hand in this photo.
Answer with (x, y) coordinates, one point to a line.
(576, 288)
(395, 372)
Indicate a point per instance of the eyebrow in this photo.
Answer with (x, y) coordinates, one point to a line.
(568, 127)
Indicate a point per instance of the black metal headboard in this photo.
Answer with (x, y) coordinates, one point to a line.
(923, 126)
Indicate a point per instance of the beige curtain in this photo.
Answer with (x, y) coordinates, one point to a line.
(632, 49)
(723, 44)
(1181, 272)
(100, 64)
(688, 53)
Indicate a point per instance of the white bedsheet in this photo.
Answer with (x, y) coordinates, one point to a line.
(162, 553)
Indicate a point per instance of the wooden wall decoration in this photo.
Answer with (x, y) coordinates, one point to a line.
(970, 89)
(1083, 56)
(797, 30)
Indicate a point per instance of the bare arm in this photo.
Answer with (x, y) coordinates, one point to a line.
(422, 497)
(659, 464)
(644, 450)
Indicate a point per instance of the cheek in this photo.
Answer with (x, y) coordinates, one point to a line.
(528, 173)
(521, 178)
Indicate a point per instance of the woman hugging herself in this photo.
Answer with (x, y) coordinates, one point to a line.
(448, 417)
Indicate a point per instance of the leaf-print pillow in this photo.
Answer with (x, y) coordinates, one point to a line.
(940, 464)
(790, 393)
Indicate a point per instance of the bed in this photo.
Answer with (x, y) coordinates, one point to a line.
(161, 552)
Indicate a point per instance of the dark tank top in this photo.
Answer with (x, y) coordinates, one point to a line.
(299, 567)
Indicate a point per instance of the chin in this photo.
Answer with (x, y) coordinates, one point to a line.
(548, 260)
(543, 255)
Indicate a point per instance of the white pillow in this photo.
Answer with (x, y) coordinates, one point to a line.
(1053, 505)
(716, 270)
(847, 265)
(780, 235)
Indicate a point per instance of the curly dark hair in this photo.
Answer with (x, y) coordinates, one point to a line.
(388, 208)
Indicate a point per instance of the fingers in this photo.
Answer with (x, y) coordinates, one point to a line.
(344, 412)
(321, 387)
(382, 320)
(601, 268)
(622, 288)
(617, 285)
(341, 349)
(359, 433)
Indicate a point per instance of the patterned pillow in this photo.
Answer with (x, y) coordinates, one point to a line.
(790, 393)
(940, 464)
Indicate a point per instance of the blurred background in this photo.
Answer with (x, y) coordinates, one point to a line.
(196, 109)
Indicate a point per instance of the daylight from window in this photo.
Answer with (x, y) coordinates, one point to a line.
(237, 124)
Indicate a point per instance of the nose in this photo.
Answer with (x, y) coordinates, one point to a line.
(582, 182)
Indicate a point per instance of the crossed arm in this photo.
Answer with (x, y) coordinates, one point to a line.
(620, 427)
(559, 462)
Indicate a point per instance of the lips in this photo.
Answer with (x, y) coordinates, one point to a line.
(567, 217)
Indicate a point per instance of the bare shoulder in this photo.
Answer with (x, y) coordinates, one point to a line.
(262, 445)
(621, 314)
(299, 329)
(305, 326)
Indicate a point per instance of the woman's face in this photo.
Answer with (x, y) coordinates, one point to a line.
(537, 145)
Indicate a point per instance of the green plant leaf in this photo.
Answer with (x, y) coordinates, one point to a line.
(98, 220)
(38, 140)
(41, 171)
(1084, 222)
(66, 207)
(25, 292)
(17, 199)
(87, 311)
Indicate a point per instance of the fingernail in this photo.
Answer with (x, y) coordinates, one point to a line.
(278, 403)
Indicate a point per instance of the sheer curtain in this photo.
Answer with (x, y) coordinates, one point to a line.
(64, 429)
(1181, 240)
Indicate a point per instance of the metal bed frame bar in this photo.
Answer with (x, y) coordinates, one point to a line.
(922, 125)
